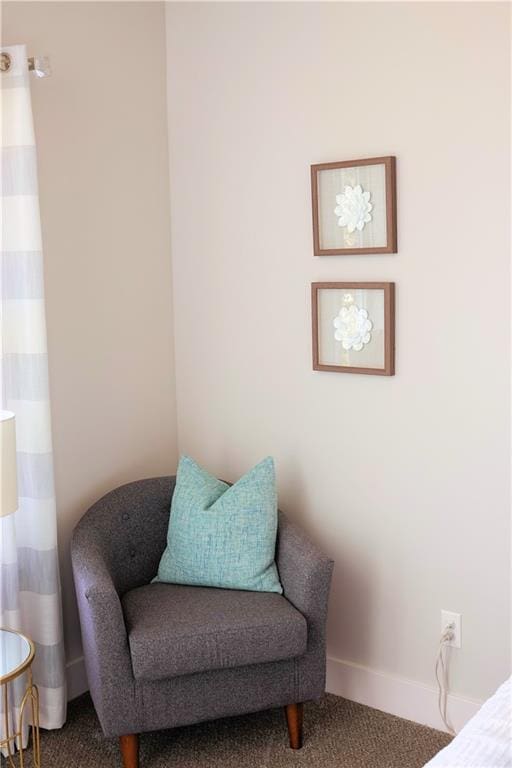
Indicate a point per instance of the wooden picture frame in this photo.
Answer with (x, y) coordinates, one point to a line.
(376, 340)
(374, 233)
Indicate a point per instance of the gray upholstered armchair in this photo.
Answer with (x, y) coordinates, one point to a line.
(163, 655)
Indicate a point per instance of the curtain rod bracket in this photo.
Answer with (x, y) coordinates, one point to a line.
(39, 65)
(5, 62)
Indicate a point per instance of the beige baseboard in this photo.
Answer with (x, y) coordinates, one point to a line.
(76, 678)
(398, 696)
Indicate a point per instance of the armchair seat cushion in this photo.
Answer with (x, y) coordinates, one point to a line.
(179, 630)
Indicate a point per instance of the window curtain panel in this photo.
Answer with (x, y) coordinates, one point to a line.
(30, 595)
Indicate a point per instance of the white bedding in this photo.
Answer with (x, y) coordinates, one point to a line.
(486, 740)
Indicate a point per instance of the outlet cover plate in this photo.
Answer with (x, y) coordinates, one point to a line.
(455, 619)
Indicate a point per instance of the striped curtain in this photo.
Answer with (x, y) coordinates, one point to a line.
(30, 598)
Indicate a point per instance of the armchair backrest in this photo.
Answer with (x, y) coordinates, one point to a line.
(127, 529)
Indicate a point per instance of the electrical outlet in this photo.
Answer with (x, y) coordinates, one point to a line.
(453, 621)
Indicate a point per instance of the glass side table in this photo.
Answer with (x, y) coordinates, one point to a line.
(16, 657)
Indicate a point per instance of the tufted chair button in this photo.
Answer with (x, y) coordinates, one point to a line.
(132, 553)
(125, 516)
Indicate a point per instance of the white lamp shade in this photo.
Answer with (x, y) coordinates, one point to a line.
(8, 485)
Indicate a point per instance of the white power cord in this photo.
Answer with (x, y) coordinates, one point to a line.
(441, 671)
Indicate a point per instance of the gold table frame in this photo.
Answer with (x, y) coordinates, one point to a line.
(30, 698)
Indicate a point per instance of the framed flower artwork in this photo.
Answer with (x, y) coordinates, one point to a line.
(354, 207)
(354, 327)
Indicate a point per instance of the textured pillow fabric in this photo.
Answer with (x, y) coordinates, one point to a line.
(221, 535)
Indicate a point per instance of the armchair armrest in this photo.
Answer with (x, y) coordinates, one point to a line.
(305, 574)
(116, 546)
(100, 605)
(104, 638)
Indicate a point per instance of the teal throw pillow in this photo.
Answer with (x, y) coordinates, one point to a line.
(221, 535)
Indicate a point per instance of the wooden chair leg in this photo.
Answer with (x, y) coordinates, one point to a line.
(294, 717)
(130, 750)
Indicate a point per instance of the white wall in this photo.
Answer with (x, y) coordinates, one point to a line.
(404, 481)
(102, 150)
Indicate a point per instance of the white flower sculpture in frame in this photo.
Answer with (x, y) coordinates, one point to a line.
(353, 208)
(353, 327)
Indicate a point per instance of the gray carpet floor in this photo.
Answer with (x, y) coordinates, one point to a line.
(337, 733)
